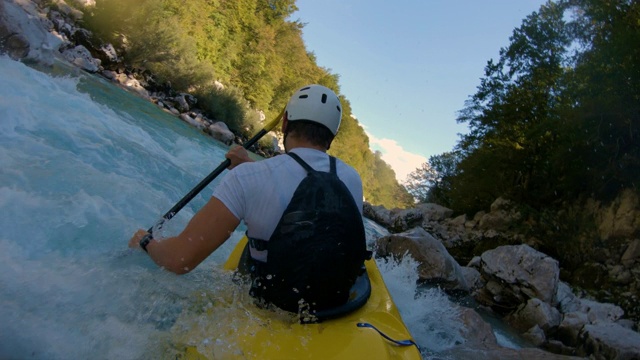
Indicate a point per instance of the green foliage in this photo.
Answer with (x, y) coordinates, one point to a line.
(226, 105)
(153, 40)
(433, 181)
(254, 50)
(557, 115)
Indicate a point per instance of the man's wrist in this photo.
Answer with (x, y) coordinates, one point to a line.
(144, 242)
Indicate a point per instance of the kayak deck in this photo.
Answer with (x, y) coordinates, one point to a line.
(266, 334)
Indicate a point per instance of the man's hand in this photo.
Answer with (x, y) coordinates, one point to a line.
(237, 155)
(134, 243)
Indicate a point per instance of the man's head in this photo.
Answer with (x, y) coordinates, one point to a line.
(314, 113)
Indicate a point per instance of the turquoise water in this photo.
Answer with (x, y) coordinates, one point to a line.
(83, 164)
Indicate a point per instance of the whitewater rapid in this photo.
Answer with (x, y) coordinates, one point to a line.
(83, 164)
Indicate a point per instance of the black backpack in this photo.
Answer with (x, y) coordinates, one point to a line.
(316, 251)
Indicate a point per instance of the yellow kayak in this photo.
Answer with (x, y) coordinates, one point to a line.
(375, 330)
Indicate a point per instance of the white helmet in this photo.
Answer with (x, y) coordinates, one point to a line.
(318, 104)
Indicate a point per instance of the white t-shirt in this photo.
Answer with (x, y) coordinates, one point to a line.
(259, 192)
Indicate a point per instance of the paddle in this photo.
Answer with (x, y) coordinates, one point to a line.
(214, 174)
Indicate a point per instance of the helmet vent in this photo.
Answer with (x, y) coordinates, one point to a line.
(303, 96)
(324, 98)
(338, 107)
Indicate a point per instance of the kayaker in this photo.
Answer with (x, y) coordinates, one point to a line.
(323, 245)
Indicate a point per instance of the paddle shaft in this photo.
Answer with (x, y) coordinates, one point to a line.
(214, 174)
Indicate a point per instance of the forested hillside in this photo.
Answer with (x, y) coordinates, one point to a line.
(254, 49)
(556, 117)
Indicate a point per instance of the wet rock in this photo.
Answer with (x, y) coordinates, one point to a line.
(436, 265)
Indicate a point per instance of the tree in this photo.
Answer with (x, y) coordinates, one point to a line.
(420, 181)
(517, 101)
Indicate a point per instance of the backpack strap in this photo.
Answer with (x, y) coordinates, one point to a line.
(308, 168)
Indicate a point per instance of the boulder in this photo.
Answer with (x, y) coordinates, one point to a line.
(565, 300)
(378, 214)
(621, 218)
(476, 332)
(221, 132)
(434, 212)
(518, 273)
(600, 312)
(181, 103)
(501, 216)
(631, 255)
(609, 341)
(570, 328)
(436, 266)
(81, 57)
(24, 33)
(535, 313)
(404, 219)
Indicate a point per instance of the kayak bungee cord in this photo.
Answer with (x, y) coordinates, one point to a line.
(397, 342)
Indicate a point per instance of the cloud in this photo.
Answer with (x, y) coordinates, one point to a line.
(401, 161)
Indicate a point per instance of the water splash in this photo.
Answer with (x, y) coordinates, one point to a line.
(428, 313)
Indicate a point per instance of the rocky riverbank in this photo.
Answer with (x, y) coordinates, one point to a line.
(32, 32)
(516, 282)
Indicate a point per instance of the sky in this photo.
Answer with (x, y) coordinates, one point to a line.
(408, 66)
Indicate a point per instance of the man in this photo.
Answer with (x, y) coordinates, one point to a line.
(261, 193)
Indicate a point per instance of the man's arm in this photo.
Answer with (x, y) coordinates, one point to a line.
(206, 231)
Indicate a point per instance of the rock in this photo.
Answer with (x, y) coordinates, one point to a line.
(475, 262)
(81, 57)
(131, 83)
(472, 278)
(610, 341)
(221, 132)
(459, 220)
(631, 256)
(181, 103)
(535, 313)
(377, 214)
(501, 354)
(110, 74)
(477, 332)
(16, 46)
(189, 120)
(436, 265)
(501, 216)
(621, 218)
(24, 30)
(600, 312)
(521, 273)
(565, 300)
(434, 212)
(404, 219)
(535, 335)
(570, 328)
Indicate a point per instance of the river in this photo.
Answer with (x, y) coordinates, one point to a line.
(83, 164)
